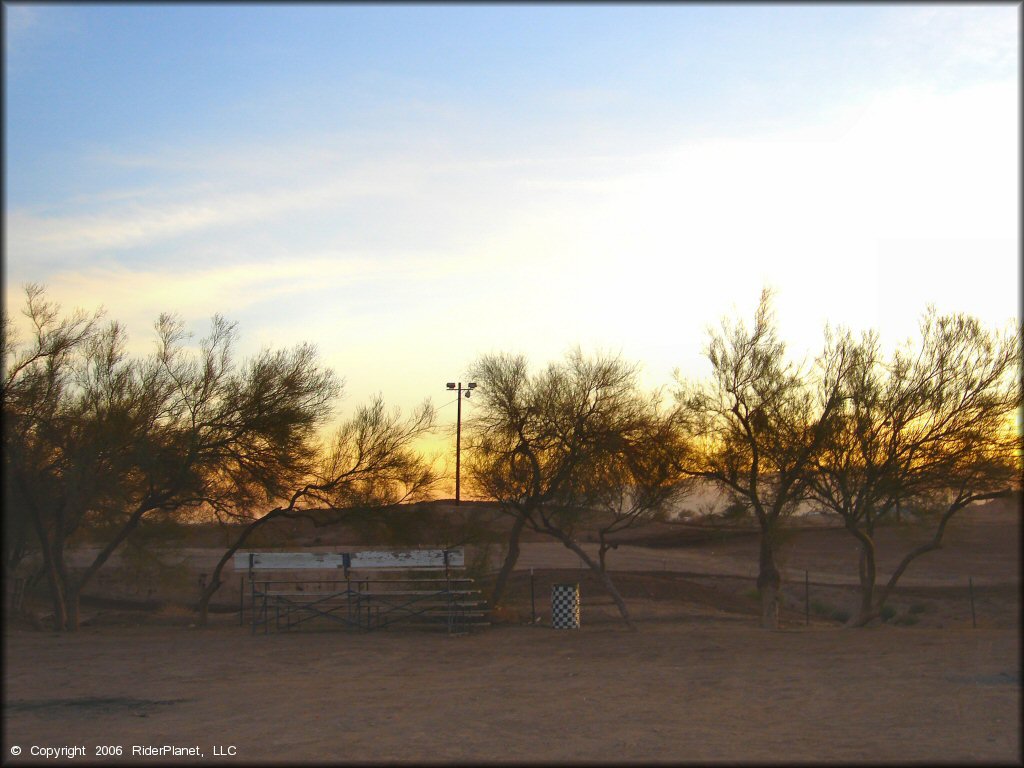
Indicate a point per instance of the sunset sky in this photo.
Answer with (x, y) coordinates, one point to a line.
(408, 186)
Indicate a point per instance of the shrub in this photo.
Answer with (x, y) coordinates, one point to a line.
(737, 510)
(820, 609)
(887, 612)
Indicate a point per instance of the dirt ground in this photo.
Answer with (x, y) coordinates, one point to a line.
(708, 688)
(698, 681)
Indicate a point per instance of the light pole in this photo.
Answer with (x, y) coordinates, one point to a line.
(458, 429)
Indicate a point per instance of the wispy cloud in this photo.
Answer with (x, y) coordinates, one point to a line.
(211, 198)
(490, 251)
(239, 286)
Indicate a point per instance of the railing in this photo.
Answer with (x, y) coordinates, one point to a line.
(415, 595)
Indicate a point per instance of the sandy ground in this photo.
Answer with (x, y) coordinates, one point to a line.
(698, 681)
(702, 689)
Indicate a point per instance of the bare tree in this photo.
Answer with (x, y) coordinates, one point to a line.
(924, 434)
(757, 425)
(569, 448)
(371, 465)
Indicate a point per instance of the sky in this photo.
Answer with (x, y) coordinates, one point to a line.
(411, 186)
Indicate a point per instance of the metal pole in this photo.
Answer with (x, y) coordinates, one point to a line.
(970, 589)
(448, 593)
(807, 600)
(252, 588)
(241, 600)
(458, 443)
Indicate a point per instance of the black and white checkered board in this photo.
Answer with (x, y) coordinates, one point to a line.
(565, 606)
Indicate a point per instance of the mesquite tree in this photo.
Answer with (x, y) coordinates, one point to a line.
(97, 440)
(575, 446)
(922, 434)
(756, 426)
(37, 376)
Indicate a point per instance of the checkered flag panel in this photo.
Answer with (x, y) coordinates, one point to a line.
(565, 606)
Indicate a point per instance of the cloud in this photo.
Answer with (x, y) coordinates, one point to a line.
(216, 193)
(330, 189)
(146, 217)
(411, 260)
(226, 288)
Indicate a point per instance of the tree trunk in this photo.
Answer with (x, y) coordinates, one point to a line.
(867, 568)
(73, 591)
(54, 575)
(104, 554)
(52, 550)
(204, 601)
(768, 583)
(602, 550)
(57, 594)
(73, 598)
(864, 616)
(510, 560)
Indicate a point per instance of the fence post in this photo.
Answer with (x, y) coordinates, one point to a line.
(970, 590)
(533, 603)
(807, 600)
(252, 590)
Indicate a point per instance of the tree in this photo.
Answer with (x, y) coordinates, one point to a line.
(576, 445)
(371, 466)
(94, 439)
(36, 376)
(925, 434)
(756, 426)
